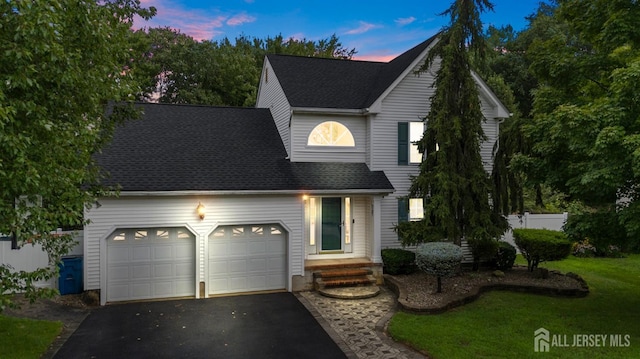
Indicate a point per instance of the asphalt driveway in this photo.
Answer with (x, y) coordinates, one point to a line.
(273, 325)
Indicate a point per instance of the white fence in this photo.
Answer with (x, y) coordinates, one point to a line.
(528, 220)
(537, 221)
(31, 257)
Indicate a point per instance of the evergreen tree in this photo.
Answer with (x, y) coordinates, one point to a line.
(452, 179)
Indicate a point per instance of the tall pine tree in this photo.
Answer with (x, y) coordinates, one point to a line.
(452, 180)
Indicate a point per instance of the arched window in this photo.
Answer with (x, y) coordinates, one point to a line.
(331, 133)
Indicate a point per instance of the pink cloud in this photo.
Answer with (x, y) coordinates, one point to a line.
(240, 19)
(199, 24)
(364, 27)
(405, 20)
(375, 57)
(299, 36)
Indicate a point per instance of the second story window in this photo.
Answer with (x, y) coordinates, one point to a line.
(331, 133)
(409, 133)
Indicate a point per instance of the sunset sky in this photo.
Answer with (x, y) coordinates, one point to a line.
(378, 30)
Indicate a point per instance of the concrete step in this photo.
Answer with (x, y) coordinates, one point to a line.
(344, 281)
(351, 292)
(342, 272)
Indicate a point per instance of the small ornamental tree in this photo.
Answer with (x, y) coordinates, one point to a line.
(441, 259)
(539, 245)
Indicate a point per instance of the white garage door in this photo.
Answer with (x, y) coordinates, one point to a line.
(247, 258)
(150, 263)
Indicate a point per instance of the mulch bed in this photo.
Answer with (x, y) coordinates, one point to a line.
(417, 292)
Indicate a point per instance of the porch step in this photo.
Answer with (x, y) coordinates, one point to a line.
(342, 272)
(346, 282)
(351, 292)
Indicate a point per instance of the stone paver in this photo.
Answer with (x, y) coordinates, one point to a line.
(357, 326)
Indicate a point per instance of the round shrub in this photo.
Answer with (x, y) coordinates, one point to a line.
(439, 258)
(539, 245)
(398, 261)
(506, 255)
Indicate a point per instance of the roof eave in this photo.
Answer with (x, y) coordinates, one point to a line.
(331, 111)
(372, 191)
(501, 110)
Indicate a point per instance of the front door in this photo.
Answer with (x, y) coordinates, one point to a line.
(331, 224)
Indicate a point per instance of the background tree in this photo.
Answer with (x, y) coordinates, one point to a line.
(62, 61)
(586, 131)
(178, 69)
(519, 186)
(452, 180)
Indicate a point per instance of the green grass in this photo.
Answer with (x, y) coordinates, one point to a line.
(501, 324)
(26, 338)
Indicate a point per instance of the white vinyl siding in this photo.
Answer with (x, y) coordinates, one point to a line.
(303, 124)
(409, 101)
(490, 128)
(271, 96)
(179, 211)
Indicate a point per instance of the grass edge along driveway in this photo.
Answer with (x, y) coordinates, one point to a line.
(22, 338)
(502, 324)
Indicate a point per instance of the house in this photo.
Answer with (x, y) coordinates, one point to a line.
(218, 200)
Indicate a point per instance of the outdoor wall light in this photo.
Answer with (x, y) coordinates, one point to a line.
(200, 210)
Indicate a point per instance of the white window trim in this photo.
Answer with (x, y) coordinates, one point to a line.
(345, 134)
(414, 154)
(416, 209)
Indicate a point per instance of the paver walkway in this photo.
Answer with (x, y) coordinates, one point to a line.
(358, 325)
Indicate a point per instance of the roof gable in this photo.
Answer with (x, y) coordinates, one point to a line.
(325, 83)
(335, 83)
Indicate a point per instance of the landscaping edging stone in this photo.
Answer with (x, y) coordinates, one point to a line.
(397, 288)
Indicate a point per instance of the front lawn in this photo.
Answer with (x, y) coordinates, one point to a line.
(22, 338)
(502, 324)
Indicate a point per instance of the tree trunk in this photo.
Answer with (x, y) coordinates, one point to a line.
(539, 200)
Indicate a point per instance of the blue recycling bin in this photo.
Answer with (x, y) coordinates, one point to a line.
(70, 280)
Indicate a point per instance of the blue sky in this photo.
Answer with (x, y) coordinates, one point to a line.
(378, 30)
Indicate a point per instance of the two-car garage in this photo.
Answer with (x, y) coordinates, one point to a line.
(153, 263)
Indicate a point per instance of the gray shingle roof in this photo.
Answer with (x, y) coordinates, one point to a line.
(203, 148)
(333, 83)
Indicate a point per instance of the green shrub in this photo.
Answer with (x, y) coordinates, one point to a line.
(398, 261)
(482, 249)
(539, 245)
(583, 249)
(506, 255)
(439, 258)
(412, 233)
(602, 228)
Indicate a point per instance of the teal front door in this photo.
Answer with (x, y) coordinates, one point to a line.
(331, 224)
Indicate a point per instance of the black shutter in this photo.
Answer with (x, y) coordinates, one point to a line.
(403, 210)
(403, 143)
